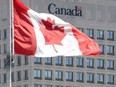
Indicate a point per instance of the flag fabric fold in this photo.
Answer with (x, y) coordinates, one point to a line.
(45, 35)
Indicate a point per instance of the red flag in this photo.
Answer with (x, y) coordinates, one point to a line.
(45, 35)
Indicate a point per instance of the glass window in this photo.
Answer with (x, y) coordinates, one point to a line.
(48, 86)
(4, 77)
(19, 75)
(100, 78)
(26, 75)
(48, 60)
(48, 74)
(37, 74)
(81, 29)
(90, 63)
(5, 34)
(0, 49)
(18, 86)
(110, 79)
(110, 64)
(19, 60)
(90, 33)
(4, 63)
(26, 85)
(110, 50)
(90, 77)
(69, 61)
(79, 76)
(58, 86)
(101, 49)
(110, 35)
(4, 45)
(37, 85)
(0, 34)
(100, 63)
(100, 34)
(37, 60)
(0, 79)
(26, 60)
(59, 60)
(79, 62)
(12, 76)
(59, 75)
(69, 76)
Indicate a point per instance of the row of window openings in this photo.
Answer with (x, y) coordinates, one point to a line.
(69, 76)
(110, 49)
(40, 85)
(100, 34)
(79, 62)
(90, 33)
(26, 76)
(59, 76)
(19, 63)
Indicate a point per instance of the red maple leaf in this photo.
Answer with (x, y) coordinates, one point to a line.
(52, 35)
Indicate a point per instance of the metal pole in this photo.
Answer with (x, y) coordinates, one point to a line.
(8, 58)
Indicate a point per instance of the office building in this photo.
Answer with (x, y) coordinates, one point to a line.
(96, 18)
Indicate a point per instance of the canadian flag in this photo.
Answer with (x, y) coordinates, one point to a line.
(45, 35)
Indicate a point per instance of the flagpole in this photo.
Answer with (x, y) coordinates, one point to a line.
(8, 57)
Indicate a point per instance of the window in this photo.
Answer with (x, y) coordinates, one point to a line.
(18, 86)
(110, 79)
(59, 60)
(79, 77)
(4, 63)
(110, 64)
(26, 75)
(0, 63)
(26, 60)
(110, 50)
(79, 62)
(110, 35)
(48, 60)
(100, 63)
(90, 77)
(4, 45)
(19, 75)
(4, 78)
(26, 85)
(0, 34)
(69, 61)
(100, 78)
(0, 79)
(59, 75)
(48, 74)
(58, 86)
(19, 60)
(5, 34)
(101, 49)
(100, 34)
(37, 74)
(37, 60)
(81, 29)
(90, 33)
(90, 63)
(0, 49)
(48, 86)
(37, 85)
(12, 76)
(69, 76)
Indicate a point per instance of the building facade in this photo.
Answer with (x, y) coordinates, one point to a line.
(96, 18)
